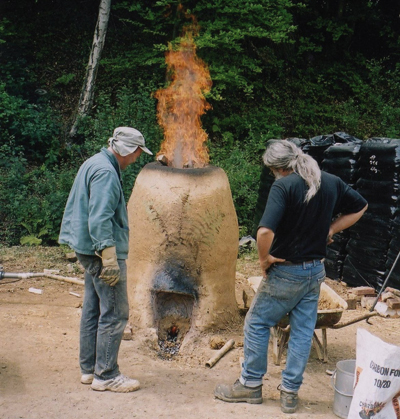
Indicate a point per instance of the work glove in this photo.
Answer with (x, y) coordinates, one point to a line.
(110, 269)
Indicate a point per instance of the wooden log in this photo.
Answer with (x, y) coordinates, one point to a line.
(65, 279)
(226, 348)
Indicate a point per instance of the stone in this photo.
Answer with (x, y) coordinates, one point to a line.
(367, 302)
(217, 342)
(363, 291)
(393, 303)
(247, 295)
(71, 257)
(247, 242)
(254, 282)
(127, 332)
(384, 310)
(387, 295)
(163, 160)
(351, 303)
(355, 297)
(393, 290)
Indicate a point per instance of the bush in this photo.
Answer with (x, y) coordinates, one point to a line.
(33, 127)
(32, 199)
(241, 161)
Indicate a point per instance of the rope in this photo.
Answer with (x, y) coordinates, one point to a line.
(348, 259)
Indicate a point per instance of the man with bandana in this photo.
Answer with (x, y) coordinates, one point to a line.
(95, 226)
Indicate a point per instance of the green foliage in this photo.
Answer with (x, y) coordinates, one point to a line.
(378, 98)
(30, 241)
(234, 40)
(243, 174)
(34, 127)
(241, 161)
(65, 79)
(32, 199)
(33, 238)
(4, 32)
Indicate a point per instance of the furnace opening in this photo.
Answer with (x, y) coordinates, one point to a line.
(172, 316)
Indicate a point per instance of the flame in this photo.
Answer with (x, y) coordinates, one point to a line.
(182, 103)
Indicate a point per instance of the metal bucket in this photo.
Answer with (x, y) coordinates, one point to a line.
(342, 381)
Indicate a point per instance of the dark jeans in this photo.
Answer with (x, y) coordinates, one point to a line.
(104, 317)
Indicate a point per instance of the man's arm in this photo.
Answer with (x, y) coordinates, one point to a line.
(343, 222)
(265, 236)
(104, 196)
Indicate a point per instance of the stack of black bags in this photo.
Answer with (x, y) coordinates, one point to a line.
(376, 234)
(340, 159)
(316, 146)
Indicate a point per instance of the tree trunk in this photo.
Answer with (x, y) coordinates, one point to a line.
(86, 98)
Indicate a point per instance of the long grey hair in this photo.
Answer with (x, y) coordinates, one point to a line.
(283, 154)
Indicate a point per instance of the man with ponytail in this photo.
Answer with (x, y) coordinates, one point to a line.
(292, 237)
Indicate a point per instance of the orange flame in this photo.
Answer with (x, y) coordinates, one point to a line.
(182, 103)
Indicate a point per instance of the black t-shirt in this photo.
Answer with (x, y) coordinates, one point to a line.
(301, 229)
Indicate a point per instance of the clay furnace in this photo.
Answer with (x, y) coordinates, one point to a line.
(183, 250)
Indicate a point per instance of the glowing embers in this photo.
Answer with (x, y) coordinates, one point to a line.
(172, 314)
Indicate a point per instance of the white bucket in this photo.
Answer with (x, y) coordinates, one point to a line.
(342, 381)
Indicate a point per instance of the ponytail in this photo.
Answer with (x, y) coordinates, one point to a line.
(282, 154)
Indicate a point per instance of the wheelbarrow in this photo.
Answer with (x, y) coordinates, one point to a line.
(328, 317)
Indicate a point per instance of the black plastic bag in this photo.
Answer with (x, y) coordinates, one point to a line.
(343, 137)
(356, 274)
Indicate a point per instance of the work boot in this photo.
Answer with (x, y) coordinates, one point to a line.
(119, 384)
(238, 393)
(289, 401)
(87, 378)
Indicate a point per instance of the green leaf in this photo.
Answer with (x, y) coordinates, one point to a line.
(30, 241)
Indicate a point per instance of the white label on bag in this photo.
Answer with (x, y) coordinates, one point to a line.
(377, 379)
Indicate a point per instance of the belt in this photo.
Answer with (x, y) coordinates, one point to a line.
(288, 263)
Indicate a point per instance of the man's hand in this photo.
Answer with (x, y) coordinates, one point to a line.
(342, 222)
(110, 270)
(267, 263)
(265, 236)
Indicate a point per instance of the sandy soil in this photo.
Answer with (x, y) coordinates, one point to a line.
(39, 372)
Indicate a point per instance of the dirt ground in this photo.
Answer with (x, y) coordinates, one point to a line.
(39, 372)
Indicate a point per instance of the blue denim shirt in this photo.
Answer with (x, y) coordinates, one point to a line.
(95, 216)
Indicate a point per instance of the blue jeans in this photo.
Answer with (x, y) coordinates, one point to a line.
(105, 314)
(287, 289)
